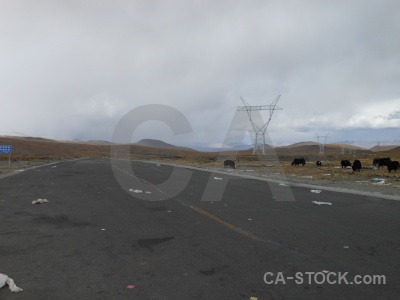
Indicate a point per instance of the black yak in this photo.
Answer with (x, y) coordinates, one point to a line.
(345, 163)
(229, 163)
(357, 165)
(298, 161)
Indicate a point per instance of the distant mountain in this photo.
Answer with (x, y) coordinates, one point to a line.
(159, 144)
(301, 144)
(154, 143)
(223, 148)
(98, 142)
(383, 148)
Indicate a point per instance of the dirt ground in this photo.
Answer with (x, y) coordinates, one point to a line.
(7, 168)
(330, 174)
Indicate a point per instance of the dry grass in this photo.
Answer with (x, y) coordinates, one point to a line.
(278, 160)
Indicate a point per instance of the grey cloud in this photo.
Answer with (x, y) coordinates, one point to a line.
(72, 68)
(394, 115)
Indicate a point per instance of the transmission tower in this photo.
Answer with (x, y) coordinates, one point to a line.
(321, 138)
(259, 141)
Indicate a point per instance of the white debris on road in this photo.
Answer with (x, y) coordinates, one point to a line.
(40, 201)
(378, 181)
(316, 191)
(217, 178)
(11, 284)
(321, 203)
(284, 184)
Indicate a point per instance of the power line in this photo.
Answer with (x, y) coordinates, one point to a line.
(259, 141)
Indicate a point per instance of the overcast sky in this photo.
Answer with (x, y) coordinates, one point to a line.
(72, 69)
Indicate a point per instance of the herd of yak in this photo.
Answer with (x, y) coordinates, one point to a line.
(356, 166)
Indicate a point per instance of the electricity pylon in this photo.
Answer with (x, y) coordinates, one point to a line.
(259, 141)
(321, 144)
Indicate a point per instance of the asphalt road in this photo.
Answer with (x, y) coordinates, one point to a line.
(105, 234)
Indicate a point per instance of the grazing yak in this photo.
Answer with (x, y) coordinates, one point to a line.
(345, 163)
(380, 162)
(318, 163)
(393, 166)
(229, 163)
(299, 161)
(357, 165)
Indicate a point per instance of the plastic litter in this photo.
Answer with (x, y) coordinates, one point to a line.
(378, 181)
(346, 247)
(217, 178)
(40, 201)
(147, 192)
(321, 203)
(284, 184)
(130, 286)
(316, 191)
(11, 284)
(135, 191)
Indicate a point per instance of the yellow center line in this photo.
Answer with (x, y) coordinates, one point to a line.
(226, 224)
(145, 181)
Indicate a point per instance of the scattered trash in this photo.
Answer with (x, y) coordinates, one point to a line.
(284, 184)
(346, 247)
(307, 176)
(169, 211)
(217, 178)
(103, 229)
(316, 191)
(147, 192)
(135, 191)
(130, 286)
(54, 166)
(378, 181)
(249, 219)
(11, 284)
(158, 165)
(40, 201)
(321, 203)
(327, 174)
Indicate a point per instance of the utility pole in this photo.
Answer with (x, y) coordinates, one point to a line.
(321, 138)
(259, 141)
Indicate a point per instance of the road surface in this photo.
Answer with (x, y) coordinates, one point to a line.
(105, 234)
